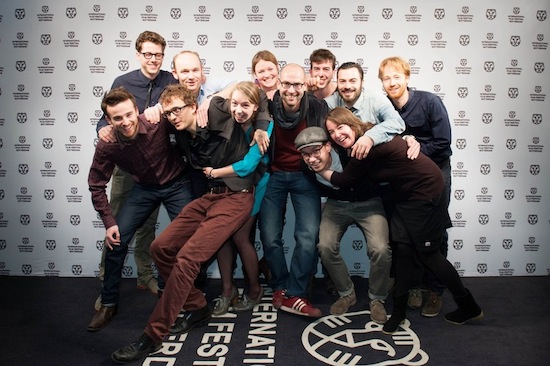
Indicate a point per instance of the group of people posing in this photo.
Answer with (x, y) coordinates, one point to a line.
(221, 155)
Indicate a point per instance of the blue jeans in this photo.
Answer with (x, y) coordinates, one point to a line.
(307, 210)
(142, 201)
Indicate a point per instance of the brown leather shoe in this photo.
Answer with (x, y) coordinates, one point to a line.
(151, 285)
(101, 318)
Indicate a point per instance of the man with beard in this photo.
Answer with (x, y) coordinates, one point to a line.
(427, 119)
(372, 107)
(368, 106)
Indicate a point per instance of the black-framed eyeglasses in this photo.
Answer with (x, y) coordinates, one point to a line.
(296, 86)
(176, 111)
(315, 152)
(149, 55)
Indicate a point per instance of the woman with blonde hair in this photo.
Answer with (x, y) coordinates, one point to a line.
(244, 103)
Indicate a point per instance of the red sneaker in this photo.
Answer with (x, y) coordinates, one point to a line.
(278, 297)
(299, 305)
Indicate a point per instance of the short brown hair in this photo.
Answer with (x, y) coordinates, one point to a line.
(116, 96)
(321, 55)
(397, 62)
(351, 65)
(152, 37)
(177, 91)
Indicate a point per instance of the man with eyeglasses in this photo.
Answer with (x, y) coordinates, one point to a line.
(343, 207)
(145, 84)
(160, 175)
(293, 110)
(187, 69)
(203, 226)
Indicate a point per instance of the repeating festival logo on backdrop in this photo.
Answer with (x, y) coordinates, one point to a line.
(51, 84)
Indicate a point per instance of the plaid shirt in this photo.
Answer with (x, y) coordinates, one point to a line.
(150, 158)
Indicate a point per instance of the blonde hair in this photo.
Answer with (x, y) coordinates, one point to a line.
(249, 90)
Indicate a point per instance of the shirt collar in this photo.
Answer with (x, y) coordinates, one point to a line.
(406, 105)
(145, 80)
(357, 105)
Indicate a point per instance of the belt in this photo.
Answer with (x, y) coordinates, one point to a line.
(225, 189)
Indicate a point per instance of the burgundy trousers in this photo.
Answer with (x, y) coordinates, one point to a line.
(192, 238)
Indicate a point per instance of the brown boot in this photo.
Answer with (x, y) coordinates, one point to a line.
(433, 305)
(101, 318)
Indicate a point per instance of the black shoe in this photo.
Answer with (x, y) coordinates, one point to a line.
(468, 310)
(202, 278)
(399, 313)
(191, 319)
(136, 350)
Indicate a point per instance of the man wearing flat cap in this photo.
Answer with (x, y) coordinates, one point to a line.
(360, 205)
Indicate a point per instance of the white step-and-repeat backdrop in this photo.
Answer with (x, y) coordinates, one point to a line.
(486, 59)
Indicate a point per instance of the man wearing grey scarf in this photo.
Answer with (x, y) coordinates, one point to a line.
(293, 110)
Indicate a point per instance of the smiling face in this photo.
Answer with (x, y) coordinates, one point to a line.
(324, 70)
(124, 118)
(317, 158)
(242, 109)
(349, 85)
(188, 71)
(292, 87)
(341, 134)
(266, 72)
(394, 82)
(150, 67)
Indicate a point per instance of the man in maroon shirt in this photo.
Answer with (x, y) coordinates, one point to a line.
(143, 150)
(293, 110)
